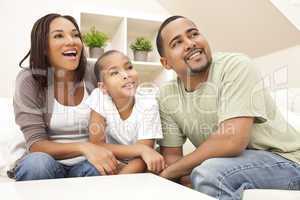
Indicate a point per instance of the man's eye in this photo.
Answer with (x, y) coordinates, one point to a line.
(176, 43)
(194, 34)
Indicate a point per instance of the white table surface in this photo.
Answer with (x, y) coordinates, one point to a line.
(133, 187)
(265, 194)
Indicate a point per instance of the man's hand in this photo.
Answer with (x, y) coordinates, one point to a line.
(103, 159)
(186, 181)
(172, 173)
(166, 173)
(171, 155)
(154, 161)
(229, 140)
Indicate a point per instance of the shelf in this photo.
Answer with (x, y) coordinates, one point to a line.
(104, 23)
(113, 26)
(122, 30)
(91, 60)
(146, 64)
(138, 27)
(142, 28)
(138, 65)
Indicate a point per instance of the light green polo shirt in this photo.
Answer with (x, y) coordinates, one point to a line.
(234, 89)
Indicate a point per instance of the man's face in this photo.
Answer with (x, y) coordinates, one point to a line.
(186, 51)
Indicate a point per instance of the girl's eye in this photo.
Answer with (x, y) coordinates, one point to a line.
(130, 67)
(114, 73)
(58, 36)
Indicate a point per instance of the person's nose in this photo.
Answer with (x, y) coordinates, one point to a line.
(69, 40)
(124, 75)
(189, 44)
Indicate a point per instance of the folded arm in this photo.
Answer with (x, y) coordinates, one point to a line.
(141, 153)
(229, 140)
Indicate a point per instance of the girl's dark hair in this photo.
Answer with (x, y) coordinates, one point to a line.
(98, 65)
(38, 53)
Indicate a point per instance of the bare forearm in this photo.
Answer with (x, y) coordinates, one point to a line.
(58, 150)
(123, 151)
(231, 138)
(136, 165)
(211, 148)
(171, 158)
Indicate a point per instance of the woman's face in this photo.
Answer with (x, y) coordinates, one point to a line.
(65, 45)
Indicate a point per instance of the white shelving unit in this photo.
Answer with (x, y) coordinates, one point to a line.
(122, 31)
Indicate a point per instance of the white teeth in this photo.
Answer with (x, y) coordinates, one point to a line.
(128, 85)
(194, 55)
(70, 52)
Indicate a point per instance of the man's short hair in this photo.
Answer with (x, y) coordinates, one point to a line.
(98, 65)
(159, 41)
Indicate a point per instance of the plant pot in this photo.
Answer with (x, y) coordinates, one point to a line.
(96, 52)
(140, 55)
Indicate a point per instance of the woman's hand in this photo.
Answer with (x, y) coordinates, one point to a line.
(154, 161)
(103, 159)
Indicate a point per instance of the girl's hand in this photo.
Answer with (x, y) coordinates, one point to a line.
(103, 159)
(154, 161)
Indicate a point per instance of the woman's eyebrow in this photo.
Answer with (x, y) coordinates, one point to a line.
(57, 30)
(61, 31)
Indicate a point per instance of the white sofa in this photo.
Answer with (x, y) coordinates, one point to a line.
(12, 144)
(12, 141)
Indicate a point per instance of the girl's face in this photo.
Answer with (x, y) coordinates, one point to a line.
(64, 45)
(120, 79)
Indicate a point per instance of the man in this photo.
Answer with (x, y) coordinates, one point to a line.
(219, 103)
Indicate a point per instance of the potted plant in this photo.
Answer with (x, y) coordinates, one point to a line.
(95, 40)
(140, 47)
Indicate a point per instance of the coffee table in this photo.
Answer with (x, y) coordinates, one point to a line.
(254, 194)
(133, 187)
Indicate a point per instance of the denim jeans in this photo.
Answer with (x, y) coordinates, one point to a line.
(36, 166)
(226, 178)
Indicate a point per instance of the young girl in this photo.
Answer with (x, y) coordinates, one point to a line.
(122, 120)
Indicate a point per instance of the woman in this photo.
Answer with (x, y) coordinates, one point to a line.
(49, 106)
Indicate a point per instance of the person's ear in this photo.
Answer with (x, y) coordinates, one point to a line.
(164, 63)
(102, 87)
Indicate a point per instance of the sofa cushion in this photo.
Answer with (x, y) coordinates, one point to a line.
(12, 142)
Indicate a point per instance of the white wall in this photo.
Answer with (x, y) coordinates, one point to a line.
(281, 69)
(253, 27)
(290, 9)
(18, 17)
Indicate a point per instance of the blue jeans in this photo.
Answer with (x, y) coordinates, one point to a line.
(226, 178)
(36, 166)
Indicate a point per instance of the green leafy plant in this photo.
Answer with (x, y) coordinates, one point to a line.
(95, 38)
(141, 44)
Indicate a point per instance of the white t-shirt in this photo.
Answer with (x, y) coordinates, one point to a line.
(66, 120)
(143, 122)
